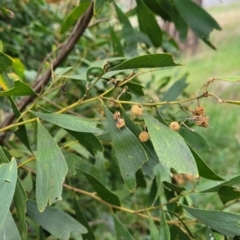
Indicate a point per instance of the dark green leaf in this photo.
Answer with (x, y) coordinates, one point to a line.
(82, 219)
(81, 77)
(154, 233)
(197, 18)
(128, 150)
(71, 159)
(135, 88)
(27, 183)
(74, 123)
(158, 60)
(5, 62)
(51, 169)
(21, 133)
(116, 44)
(203, 169)
(164, 229)
(8, 230)
(75, 15)
(88, 140)
(150, 27)
(127, 32)
(228, 193)
(101, 190)
(8, 179)
(170, 147)
(55, 221)
(121, 231)
(223, 222)
(173, 187)
(175, 90)
(19, 89)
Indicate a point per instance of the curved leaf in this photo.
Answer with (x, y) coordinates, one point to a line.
(101, 190)
(121, 231)
(170, 147)
(94, 72)
(19, 89)
(55, 221)
(228, 193)
(9, 230)
(74, 123)
(8, 179)
(150, 27)
(158, 60)
(229, 79)
(51, 169)
(154, 233)
(164, 229)
(128, 150)
(223, 222)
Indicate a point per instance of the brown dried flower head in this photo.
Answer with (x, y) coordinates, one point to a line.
(202, 121)
(182, 178)
(116, 115)
(120, 123)
(200, 110)
(137, 110)
(174, 126)
(143, 136)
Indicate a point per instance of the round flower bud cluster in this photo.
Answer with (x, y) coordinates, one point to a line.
(143, 136)
(137, 110)
(120, 122)
(174, 126)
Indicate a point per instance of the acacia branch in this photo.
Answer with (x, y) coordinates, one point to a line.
(67, 47)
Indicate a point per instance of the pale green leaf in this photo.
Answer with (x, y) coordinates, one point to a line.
(229, 79)
(154, 233)
(128, 150)
(223, 222)
(51, 169)
(55, 221)
(8, 179)
(74, 123)
(170, 147)
(164, 229)
(5, 62)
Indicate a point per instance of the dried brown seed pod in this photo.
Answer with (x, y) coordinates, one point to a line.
(116, 115)
(200, 110)
(120, 123)
(174, 126)
(137, 110)
(143, 136)
(202, 121)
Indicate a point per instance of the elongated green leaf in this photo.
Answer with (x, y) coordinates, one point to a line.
(94, 72)
(121, 231)
(116, 44)
(154, 233)
(81, 77)
(173, 187)
(55, 221)
(203, 169)
(71, 159)
(197, 18)
(135, 88)
(148, 166)
(19, 89)
(60, 72)
(228, 193)
(75, 15)
(127, 32)
(164, 229)
(158, 60)
(8, 179)
(5, 62)
(74, 123)
(223, 222)
(21, 133)
(229, 79)
(20, 199)
(82, 219)
(101, 190)
(170, 147)
(150, 27)
(128, 150)
(51, 169)
(8, 230)
(88, 140)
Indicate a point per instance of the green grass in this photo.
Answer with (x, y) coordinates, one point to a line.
(224, 153)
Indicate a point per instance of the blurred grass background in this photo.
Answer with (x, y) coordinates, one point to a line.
(223, 133)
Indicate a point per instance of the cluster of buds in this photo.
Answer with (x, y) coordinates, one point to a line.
(137, 110)
(199, 117)
(174, 126)
(143, 136)
(120, 122)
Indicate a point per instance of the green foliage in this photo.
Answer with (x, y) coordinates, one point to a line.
(93, 141)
